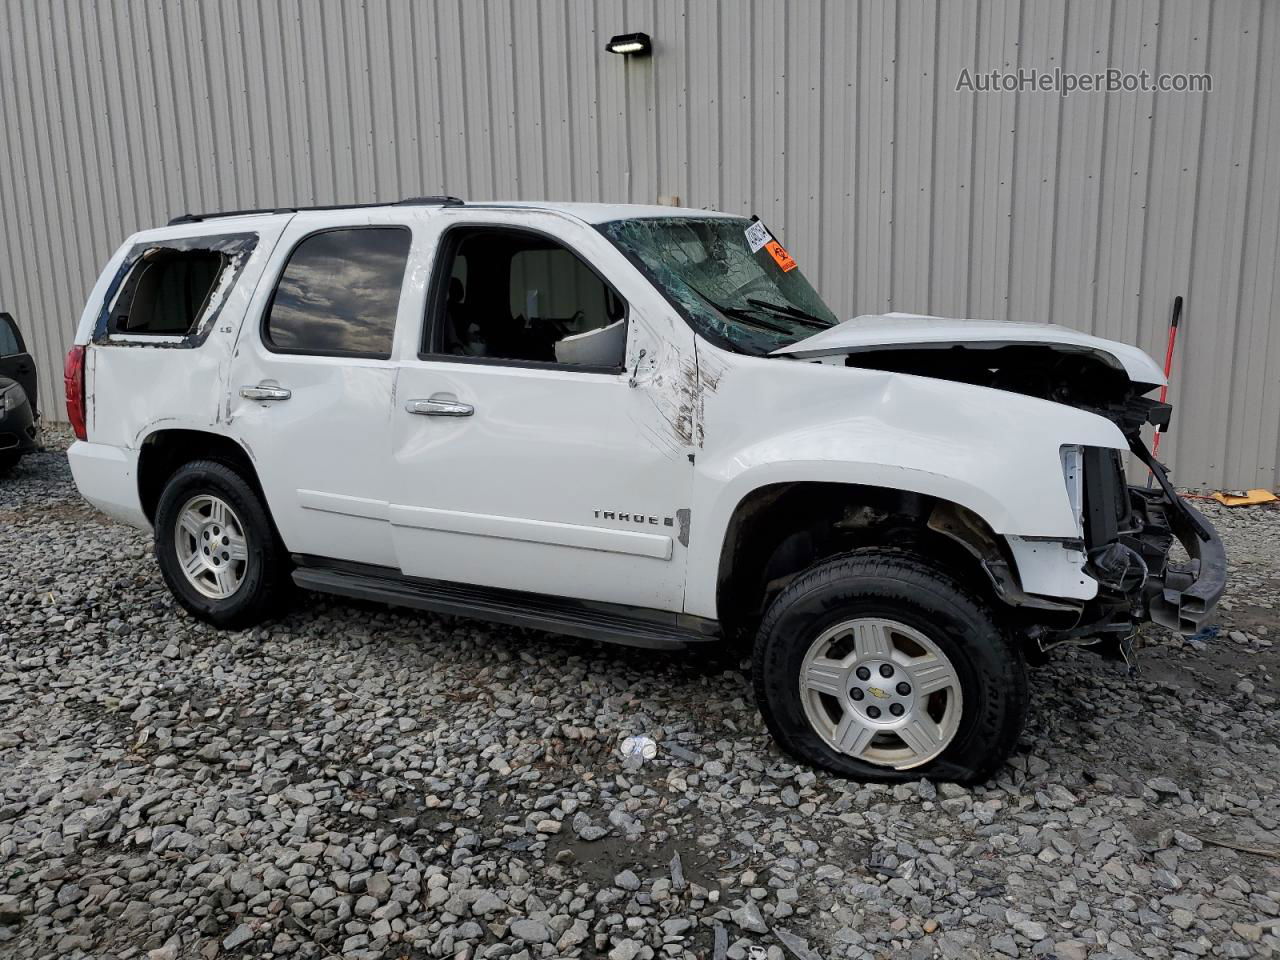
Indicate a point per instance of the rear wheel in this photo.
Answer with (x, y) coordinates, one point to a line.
(217, 548)
(877, 666)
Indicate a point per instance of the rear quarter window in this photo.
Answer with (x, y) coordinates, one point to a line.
(167, 292)
(171, 292)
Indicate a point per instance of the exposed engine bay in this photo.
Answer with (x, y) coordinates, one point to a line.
(1054, 372)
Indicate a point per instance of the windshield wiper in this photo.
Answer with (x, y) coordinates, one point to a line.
(795, 313)
(738, 313)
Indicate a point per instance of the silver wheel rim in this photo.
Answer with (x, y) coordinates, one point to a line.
(881, 692)
(211, 546)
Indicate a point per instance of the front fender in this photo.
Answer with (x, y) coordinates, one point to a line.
(776, 421)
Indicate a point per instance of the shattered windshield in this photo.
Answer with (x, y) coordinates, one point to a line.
(729, 276)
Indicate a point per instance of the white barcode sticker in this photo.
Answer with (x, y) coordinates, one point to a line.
(757, 235)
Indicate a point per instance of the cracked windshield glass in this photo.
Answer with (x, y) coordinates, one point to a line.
(729, 275)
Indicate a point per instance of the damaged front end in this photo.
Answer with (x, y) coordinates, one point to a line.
(1129, 534)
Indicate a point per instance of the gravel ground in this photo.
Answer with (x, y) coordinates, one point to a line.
(352, 781)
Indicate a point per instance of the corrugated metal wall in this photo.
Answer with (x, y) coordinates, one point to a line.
(838, 122)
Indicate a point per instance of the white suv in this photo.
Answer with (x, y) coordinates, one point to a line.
(637, 424)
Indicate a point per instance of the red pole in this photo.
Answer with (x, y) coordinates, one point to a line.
(1168, 360)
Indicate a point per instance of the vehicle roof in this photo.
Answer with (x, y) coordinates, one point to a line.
(594, 213)
(602, 212)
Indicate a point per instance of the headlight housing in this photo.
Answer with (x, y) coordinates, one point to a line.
(1073, 475)
(12, 398)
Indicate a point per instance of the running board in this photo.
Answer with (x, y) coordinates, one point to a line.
(613, 623)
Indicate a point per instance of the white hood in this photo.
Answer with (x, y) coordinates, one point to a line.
(906, 330)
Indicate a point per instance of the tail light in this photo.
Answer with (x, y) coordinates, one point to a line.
(73, 379)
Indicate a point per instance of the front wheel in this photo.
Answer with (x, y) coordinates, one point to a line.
(217, 548)
(877, 666)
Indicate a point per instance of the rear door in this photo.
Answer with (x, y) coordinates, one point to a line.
(15, 362)
(312, 382)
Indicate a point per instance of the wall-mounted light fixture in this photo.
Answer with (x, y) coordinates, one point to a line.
(630, 44)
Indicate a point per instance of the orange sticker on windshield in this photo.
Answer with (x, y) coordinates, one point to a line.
(780, 256)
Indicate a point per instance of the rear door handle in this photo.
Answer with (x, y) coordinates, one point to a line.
(436, 407)
(265, 391)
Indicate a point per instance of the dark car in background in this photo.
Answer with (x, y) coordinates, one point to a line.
(19, 417)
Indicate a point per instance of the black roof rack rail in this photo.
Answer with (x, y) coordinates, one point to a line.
(407, 202)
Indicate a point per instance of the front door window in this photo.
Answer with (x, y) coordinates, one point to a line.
(514, 295)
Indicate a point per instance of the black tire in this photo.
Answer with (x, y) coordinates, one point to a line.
(8, 461)
(265, 583)
(908, 589)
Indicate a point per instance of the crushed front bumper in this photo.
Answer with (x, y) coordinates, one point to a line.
(1131, 534)
(1183, 594)
(1179, 595)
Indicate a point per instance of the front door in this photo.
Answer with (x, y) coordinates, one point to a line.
(543, 434)
(312, 380)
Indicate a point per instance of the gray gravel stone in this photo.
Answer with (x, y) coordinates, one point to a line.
(486, 904)
(379, 886)
(1031, 929)
(240, 935)
(748, 917)
(530, 931)
(626, 880)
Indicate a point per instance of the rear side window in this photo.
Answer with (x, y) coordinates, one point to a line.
(167, 292)
(339, 293)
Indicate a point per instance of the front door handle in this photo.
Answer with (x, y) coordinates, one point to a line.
(435, 407)
(265, 391)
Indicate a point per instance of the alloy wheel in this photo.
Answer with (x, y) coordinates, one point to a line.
(212, 549)
(882, 692)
